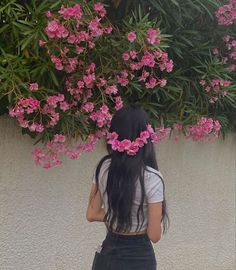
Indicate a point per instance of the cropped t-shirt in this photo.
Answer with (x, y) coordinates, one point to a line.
(153, 187)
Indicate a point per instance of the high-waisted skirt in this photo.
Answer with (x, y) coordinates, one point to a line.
(125, 252)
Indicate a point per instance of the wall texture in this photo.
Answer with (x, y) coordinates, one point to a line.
(42, 212)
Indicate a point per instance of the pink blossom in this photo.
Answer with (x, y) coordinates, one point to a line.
(203, 129)
(202, 82)
(133, 149)
(98, 7)
(88, 107)
(118, 102)
(89, 79)
(42, 43)
(151, 83)
(178, 126)
(91, 68)
(108, 30)
(102, 82)
(144, 76)
(224, 93)
(148, 59)
(91, 44)
(136, 66)
(79, 49)
(49, 14)
(75, 12)
(124, 145)
(64, 106)
(112, 136)
(56, 30)
(33, 87)
(59, 138)
(57, 62)
(162, 82)
(152, 36)
(133, 54)
(122, 81)
(131, 36)
(125, 56)
(95, 27)
(144, 135)
(111, 90)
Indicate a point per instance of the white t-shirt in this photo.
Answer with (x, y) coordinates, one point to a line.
(153, 187)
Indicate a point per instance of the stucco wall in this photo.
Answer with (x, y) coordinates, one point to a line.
(42, 212)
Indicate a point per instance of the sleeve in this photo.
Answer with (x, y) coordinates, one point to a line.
(155, 189)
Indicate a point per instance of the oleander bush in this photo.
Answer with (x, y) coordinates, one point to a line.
(67, 66)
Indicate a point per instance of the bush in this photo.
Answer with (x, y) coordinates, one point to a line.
(66, 66)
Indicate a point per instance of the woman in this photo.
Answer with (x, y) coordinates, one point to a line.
(128, 195)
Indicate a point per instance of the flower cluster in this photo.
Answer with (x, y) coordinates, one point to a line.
(227, 53)
(144, 66)
(206, 130)
(132, 147)
(38, 115)
(226, 14)
(215, 88)
(50, 156)
(95, 66)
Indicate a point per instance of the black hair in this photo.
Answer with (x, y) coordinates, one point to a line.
(124, 170)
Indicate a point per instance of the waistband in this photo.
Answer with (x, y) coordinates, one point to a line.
(132, 237)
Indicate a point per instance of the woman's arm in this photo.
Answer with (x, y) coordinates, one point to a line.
(95, 212)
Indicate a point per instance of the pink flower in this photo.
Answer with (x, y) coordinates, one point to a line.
(33, 87)
(133, 54)
(122, 81)
(148, 59)
(64, 106)
(133, 149)
(111, 90)
(202, 82)
(224, 93)
(124, 145)
(108, 30)
(152, 36)
(215, 51)
(151, 83)
(49, 14)
(118, 102)
(101, 82)
(88, 107)
(59, 138)
(57, 62)
(89, 79)
(162, 82)
(56, 30)
(112, 137)
(144, 76)
(79, 49)
(69, 12)
(39, 128)
(125, 56)
(42, 43)
(98, 7)
(131, 36)
(144, 135)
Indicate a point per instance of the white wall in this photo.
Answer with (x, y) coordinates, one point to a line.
(42, 212)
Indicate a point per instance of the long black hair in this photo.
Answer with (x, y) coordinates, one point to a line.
(124, 170)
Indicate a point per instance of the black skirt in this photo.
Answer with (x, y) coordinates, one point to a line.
(125, 252)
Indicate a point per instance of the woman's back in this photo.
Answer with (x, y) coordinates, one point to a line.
(153, 189)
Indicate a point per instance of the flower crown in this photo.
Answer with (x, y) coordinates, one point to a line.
(131, 147)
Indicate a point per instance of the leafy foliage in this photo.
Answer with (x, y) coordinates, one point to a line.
(189, 33)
